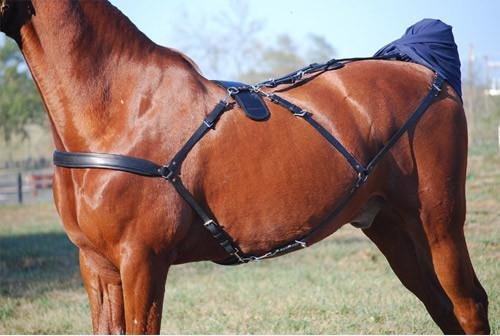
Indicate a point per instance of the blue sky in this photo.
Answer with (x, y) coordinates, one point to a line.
(354, 28)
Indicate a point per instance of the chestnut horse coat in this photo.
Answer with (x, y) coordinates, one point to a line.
(109, 89)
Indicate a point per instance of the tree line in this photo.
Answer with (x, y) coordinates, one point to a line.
(20, 103)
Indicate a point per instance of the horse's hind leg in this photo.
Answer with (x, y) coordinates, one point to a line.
(442, 216)
(427, 251)
(440, 156)
(411, 263)
(104, 290)
(428, 244)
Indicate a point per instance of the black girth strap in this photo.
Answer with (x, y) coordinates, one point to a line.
(172, 170)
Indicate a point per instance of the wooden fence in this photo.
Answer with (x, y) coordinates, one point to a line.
(29, 186)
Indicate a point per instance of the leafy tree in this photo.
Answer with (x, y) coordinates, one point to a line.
(20, 103)
(231, 46)
(224, 44)
(284, 56)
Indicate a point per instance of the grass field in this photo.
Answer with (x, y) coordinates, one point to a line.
(342, 285)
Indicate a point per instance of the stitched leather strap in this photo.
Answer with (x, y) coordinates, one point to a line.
(434, 91)
(174, 166)
(299, 112)
(107, 161)
(211, 225)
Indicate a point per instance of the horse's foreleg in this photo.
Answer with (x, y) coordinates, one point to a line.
(143, 275)
(411, 263)
(103, 284)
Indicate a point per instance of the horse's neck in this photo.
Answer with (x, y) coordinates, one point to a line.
(82, 55)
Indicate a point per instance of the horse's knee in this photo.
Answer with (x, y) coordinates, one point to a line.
(93, 264)
(103, 284)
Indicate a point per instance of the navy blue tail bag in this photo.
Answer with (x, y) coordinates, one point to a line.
(428, 42)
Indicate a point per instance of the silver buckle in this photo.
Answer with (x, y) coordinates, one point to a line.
(166, 172)
(302, 113)
(301, 243)
(208, 124)
(240, 258)
(208, 222)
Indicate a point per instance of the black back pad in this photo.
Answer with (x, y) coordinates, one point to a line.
(249, 101)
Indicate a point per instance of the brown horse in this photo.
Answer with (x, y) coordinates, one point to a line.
(107, 88)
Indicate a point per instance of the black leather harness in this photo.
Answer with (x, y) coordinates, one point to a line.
(250, 100)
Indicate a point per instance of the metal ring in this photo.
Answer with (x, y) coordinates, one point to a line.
(232, 90)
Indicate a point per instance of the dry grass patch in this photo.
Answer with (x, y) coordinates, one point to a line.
(342, 285)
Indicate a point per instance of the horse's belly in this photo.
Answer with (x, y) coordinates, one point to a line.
(270, 183)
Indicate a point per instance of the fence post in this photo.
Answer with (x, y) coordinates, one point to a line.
(19, 188)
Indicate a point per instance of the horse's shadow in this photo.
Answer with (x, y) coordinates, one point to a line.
(33, 264)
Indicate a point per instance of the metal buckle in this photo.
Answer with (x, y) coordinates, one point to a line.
(302, 113)
(301, 243)
(243, 260)
(208, 222)
(362, 177)
(208, 124)
(435, 85)
(257, 89)
(166, 172)
(299, 76)
(231, 91)
(438, 89)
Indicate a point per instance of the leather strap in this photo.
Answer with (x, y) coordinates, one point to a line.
(299, 112)
(107, 161)
(298, 75)
(174, 166)
(434, 91)
(210, 224)
(172, 171)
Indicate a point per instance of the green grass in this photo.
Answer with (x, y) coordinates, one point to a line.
(342, 285)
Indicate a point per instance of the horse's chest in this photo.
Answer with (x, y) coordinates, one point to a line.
(102, 203)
